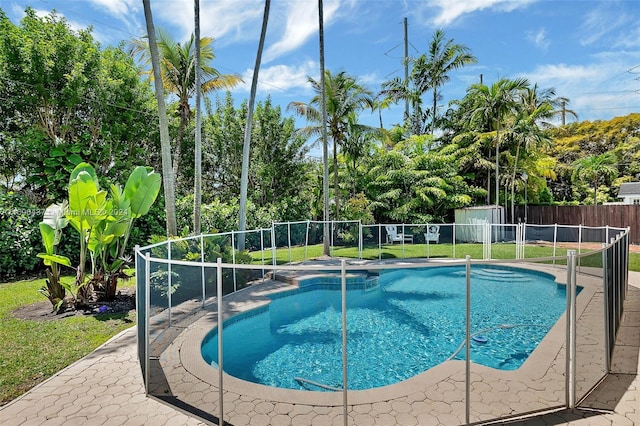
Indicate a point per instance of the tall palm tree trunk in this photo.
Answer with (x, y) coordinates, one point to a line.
(165, 142)
(513, 184)
(325, 150)
(177, 152)
(244, 178)
(197, 170)
(433, 117)
(497, 168)
(336, 184)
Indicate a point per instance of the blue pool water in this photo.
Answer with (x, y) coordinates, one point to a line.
(406, 323)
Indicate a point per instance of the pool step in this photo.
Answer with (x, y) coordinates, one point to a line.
(357, 280)
(499, 275)
(494, 275)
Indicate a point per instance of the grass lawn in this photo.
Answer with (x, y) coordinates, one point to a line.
(34, 350)
(408, 251)
(438, 251)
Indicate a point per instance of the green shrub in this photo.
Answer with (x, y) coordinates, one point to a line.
(20, 242)
(186, 279)
(546, 196)
(153, 223)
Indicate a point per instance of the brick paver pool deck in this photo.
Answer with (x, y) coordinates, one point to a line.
(106, 388)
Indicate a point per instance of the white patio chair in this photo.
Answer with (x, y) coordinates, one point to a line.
(394, 237)
(432, 234)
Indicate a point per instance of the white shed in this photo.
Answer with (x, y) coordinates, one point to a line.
(470, 221)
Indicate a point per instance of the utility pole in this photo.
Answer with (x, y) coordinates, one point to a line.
(406, 65)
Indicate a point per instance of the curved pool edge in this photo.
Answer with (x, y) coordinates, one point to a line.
(534, 368)
(191, 357)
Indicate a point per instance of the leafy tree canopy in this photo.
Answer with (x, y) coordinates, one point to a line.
(66, 101)
(618, 139)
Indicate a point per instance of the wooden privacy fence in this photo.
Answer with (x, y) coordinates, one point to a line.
(616, 215)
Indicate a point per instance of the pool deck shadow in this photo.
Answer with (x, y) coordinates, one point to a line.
(106, 388)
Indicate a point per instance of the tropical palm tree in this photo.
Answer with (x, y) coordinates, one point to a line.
(357, 145)
(429, 72)
(165, 141)
(443, 57)
(530, 128)
(345, 97)
(382, 102)
(490, 106)
(177, 62)
(409, 90)
(562, 111)
(594, 168)
(534, 96)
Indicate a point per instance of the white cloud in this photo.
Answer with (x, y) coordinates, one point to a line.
(592, 88)
(128, 12)
(291, 22)
(77, 26)
(41, 13)
(118, 8)
(176, 15)
(235, 20)
(629, 39)
(301, 23)
(449, 10)
(538, 38)
(604, 21)
(568, 75)
(370, 79)
(282, 78)
(17, 10)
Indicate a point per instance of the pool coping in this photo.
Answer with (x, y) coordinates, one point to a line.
(535, 367)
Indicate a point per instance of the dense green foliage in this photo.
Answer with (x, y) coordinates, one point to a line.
(616, 141)
(410, 184)
(279, 172)
(345, 97)
(66, 100)
(19, 243)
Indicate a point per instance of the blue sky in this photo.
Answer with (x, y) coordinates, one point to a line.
(589, 51)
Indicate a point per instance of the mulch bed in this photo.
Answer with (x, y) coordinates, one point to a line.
(124, 302)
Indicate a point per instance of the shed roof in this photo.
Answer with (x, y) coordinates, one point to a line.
(629, 188)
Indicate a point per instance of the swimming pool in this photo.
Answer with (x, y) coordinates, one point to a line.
(399, 325)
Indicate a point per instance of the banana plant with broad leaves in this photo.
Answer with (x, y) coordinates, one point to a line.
(51, 231)
(104, 221)
(87, 208)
